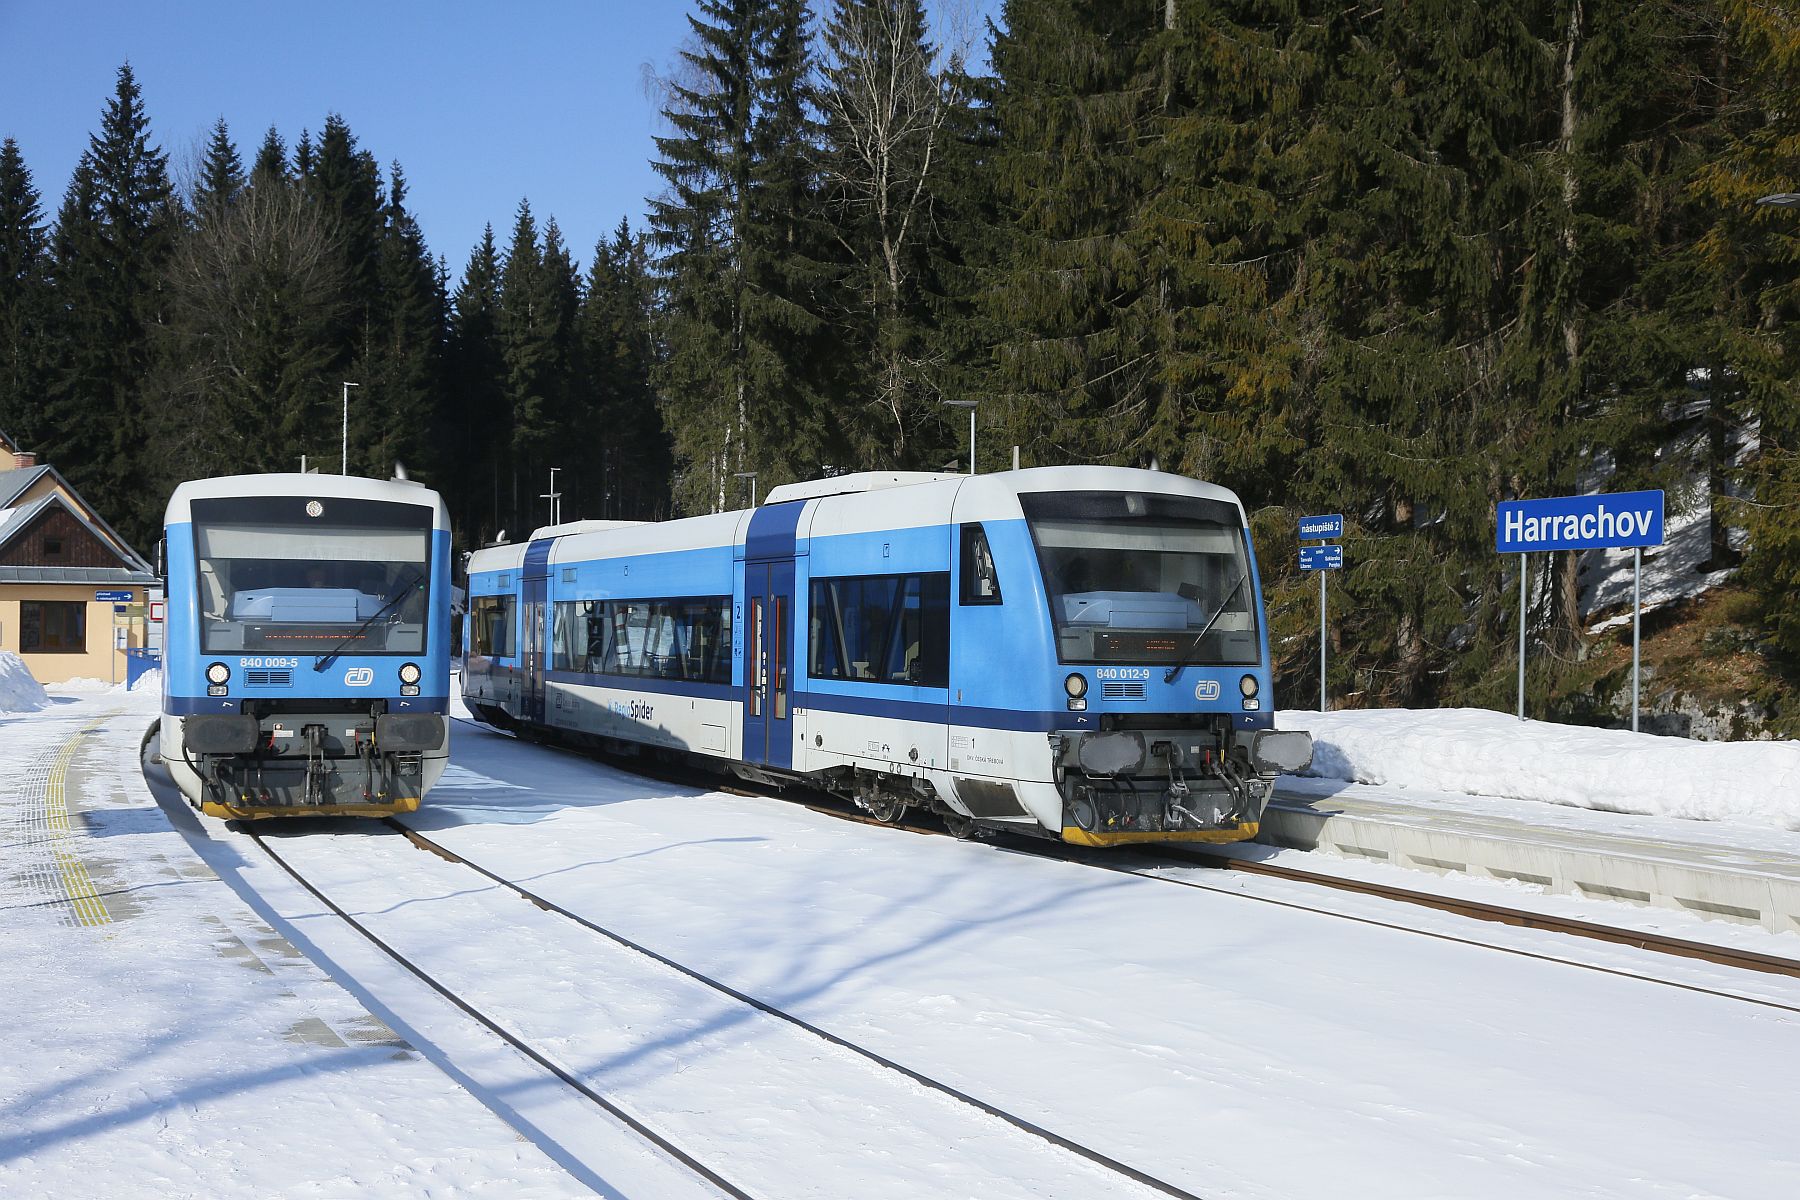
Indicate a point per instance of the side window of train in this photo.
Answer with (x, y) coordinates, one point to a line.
(572, 636)
(881, 629)
(492, 634)
(687, 638)
(980, 581)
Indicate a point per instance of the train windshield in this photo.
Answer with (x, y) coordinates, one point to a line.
(289, 575)
(1134, 577)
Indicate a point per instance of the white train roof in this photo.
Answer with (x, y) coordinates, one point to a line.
(293, 483)
(870, 502)
(844, 485)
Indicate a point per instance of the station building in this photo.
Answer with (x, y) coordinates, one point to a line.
(73, 593)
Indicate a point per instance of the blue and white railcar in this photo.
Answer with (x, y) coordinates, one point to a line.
(307, 645)
(1073, 651)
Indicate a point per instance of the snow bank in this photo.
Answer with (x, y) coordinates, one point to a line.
(1474, 750)
(19, 692)
(149, 681)
(82, 683)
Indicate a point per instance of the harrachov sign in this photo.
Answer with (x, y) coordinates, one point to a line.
(1618, 521)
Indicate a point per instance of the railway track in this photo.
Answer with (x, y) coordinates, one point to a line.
(714, 1175)
(506, 1035)
(1478, 910)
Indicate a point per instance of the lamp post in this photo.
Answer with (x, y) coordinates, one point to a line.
(970, 405)
(344, 435)
(751, 476)
(554, 497)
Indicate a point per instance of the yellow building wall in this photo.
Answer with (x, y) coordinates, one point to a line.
(101, 659)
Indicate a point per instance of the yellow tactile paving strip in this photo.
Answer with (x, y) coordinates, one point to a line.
(47, 842)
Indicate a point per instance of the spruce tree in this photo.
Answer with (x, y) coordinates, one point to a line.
(24, 300)
(115, 232)
(699, 226)
(740, 255)
(401, 367)
(271, 159)
(629, 466)
(476, 430)
(534, 340)
(221, 171)
(1753, 255)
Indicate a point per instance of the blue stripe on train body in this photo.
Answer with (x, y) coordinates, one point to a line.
(1004, 703)
(277, 680)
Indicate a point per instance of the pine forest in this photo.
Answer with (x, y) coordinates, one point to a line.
(1401, 261)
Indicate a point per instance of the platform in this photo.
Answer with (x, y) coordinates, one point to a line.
(1748, 875)
(163, 1039)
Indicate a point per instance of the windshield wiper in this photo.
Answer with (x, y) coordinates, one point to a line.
(1194, 647)
(399, 595)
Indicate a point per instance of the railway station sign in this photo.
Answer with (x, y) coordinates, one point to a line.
(1620, 521)
(1321, 558)
(1617, 521)
(113, 596)
(1316, 528)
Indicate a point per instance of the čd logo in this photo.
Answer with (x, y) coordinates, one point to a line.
(359, 677)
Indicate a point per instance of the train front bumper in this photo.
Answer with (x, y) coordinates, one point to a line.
(1175, 785)
(295, 764)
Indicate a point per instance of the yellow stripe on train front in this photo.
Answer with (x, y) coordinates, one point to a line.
(1082, 837)
(253, 812)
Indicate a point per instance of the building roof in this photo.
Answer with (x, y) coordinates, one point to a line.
(14, 521)
(122, 576)
(14, 484)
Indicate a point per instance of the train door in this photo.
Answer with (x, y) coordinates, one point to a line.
(531, 653)
(534, 629)
(769, 658)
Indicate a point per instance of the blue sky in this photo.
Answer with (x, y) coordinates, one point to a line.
(483, 104)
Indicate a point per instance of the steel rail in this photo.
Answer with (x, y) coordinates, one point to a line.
(516, 1042)
(1482, 910)
(431, 845)
(1473, 909)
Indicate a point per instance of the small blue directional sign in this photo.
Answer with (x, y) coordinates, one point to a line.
(112, 595)
(1315, 528)
(1321, 558)
(1617, 521)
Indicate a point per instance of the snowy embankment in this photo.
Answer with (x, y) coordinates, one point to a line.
(1474, 750)
(19, 692)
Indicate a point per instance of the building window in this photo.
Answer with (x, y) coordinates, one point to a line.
(53, 547)
(52, 627)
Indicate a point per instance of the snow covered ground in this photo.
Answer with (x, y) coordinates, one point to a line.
(1232, 1047)
(1484, 753)
(163, 1040)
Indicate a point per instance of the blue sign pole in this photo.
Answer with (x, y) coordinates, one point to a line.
(1618, 521)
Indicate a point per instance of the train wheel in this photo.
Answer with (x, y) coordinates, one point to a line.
(962, 828)
(885, 806)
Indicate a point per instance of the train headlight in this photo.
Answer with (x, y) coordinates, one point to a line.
(1075, 685)
(217, 673)
(409, 672)
(1248, 686)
